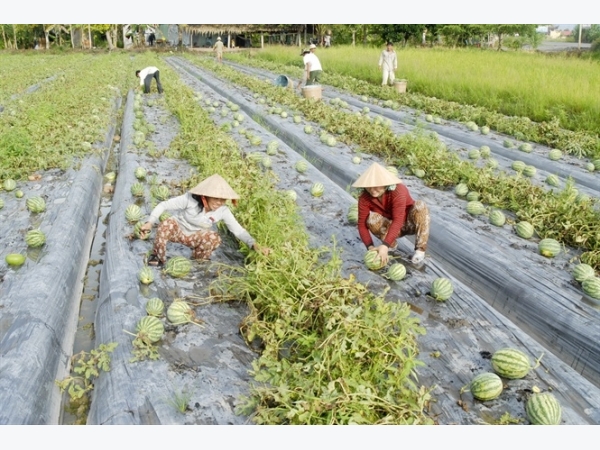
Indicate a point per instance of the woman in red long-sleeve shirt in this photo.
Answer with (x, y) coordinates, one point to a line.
(386, 209)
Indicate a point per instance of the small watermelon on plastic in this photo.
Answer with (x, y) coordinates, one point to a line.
(511, 363)
(155, 307)
(352, 214)
(178, 266)
(15, 259)
(484, 129)
(317, 189)
(461, 189)
(160, 193)
(526, 147)
(472, 196)
(372, 260)
(308, 129)
(9, 185)
(301, 166)
(486, 386)
(549, 247)
(524, 229)
(475, 208)
(555, 154)
(529, 171)
(591, 286)
(552, 180)
(180, 312)
(474, 153)
(150, 329)
(145, 275)
(419, 173)
(583, 271)
(272, 148)
(485, 151)
(137, 189)
(543, 409)
(518, 166)
(497, 218)
(140, 173)
(441, 289)
(133, 213)
(396, 272)
(35, 238)
(36, 204)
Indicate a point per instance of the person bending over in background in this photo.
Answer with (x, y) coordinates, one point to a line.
(146, 75)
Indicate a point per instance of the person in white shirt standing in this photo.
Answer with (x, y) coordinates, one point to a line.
(388, 62)
(146, 75)
(312, 67)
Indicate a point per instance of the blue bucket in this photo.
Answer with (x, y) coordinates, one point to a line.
(283, 81)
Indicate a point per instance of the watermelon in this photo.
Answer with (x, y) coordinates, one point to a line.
(178, 266)
(133, 213)
(372, 260)
(396, 272)
(110, 176)
(475, 208)
(596, 164)
(366, 110)
(529, 171)
(485, 151)
(552, 180)
(497, 218)
(583, 271)
(590, 166)
(419, 173)
(441, 289)
(291, 194)
(461, 189)
(145, 275)
(297, 119)
(308, 129)
(524, 229)
(492, 163)
(486, 386)
(180, 312)
(137, 189)
(19, 193)
(437, 120)
(9, 185)
(543, 409)
(392, 170)
(518, 166)
(150, 329)
(155, 307)
(317, 189)
(160, 193)
(14, 259)
(255, 140)
(301, 166)
(508, 143)
(137, 232)
(266, 161)
(356, 160)
(591, 286)
(352, 214)
(474, 154)
(549, 247)
(511, 363)
(555, 154)
(484, 129)
(164, 216)
(472, 196)
(35, 238)
(272, 148)
(429, 118)
(140, 173)
(36, 204)
(526, 147)
(472, 126)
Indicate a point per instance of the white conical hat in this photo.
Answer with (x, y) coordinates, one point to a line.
(376, 175)
(215, 186)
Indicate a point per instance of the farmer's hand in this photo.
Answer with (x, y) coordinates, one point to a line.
(382, 251)
(264, 250)
(146, 227)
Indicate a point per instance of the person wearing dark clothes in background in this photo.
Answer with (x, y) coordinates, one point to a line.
(146, 75)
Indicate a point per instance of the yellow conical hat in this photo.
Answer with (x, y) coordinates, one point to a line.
(215, 186)
(376, 175)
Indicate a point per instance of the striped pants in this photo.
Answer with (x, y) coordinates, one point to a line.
(417, 224)
(202, 243)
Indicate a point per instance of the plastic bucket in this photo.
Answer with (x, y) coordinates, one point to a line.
(284, 81)
(313, 91)
(400, 86)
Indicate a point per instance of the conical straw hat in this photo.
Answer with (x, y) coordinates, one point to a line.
(376, 175)
(215, 186)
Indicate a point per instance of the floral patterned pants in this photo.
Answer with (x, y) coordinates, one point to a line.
(417, 223)
(202, 243)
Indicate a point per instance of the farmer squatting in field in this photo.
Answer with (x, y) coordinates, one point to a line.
(194, 215)
(146, 75)
(386, 209)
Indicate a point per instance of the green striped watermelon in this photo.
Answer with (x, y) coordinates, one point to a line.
(419, 173)
(441, 289)
(529, 171)
(145, 275)
(155, 307)
(485, 151)
(352, 215)
(474, 154)
(591, 286)
(472, 196)
(543, 409)
(549, 247)
(178, 266)
(133, 213)
(524, 229)
(486, 386)
(518, 166)
(137, 189)
(497, 218)
(140, 173)
(396, 272)
(160, 193)
(552, 180)
(180, 312)
(317, 190)
(150, 329)
(301, 166)
(9, 185)
(526, 147)
(35, 238)
(36, 204)
(555, 154)
(511, 363)
(475, 208)
(583, 271)
(372, 260)
(461, 189)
